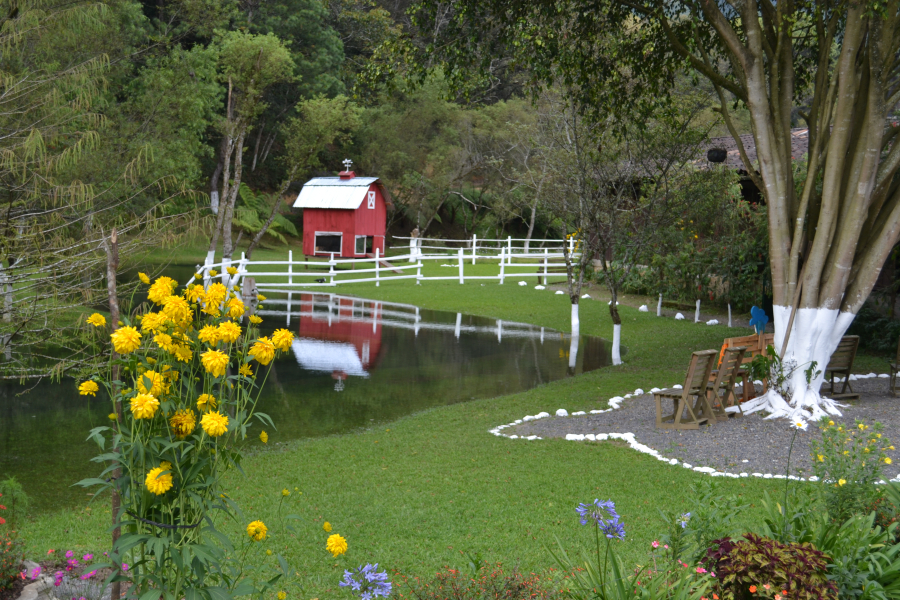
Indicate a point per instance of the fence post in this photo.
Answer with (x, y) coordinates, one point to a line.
(462, 278)
(290, 272)
(289, 309)
(419, 273)
(502, 251)
(377, 272)
(331, 264)
(571, 245)
(474, 246)
(508, 245)
(545, 266)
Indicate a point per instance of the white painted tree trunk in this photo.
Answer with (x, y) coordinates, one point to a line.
(576, 326)
(616, 345)
(697, 312)
(729, 314)
(214, 202)
(573, 352)
(815, 335)
(659, 307)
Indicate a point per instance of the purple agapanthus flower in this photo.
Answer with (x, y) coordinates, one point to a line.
(613, 529)
(367, 582)
(597, 511)
(683, 519)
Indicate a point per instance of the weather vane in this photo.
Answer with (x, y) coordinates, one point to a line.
(347, 164)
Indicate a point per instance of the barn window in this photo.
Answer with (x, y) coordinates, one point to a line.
(328, 242)
(364, 244)
(371, 200)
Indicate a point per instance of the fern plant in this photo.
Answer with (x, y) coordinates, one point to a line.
(252, 211)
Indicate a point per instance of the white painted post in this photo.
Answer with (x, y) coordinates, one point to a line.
(331, 264)
(462, 279)
(697, 312)
(542, 336)
(458, 325)
(412, 250)
(571, 245)
(419, 273)
(290, 295)
(377, 269)
(499, 331)
(290, 272)
(474, 246)
(545, 266)
(416, 328)
(329, 309)
(509, 245)
(659, 307)
(729, 314)
(501, 265)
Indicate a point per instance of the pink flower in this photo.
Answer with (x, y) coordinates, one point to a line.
(124, 566)
(666, 546)
(35, 573)
(701, 570)
(655, 544)
(70, 554)
(88, 557)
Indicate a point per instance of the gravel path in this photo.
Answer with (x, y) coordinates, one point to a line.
(748, 444)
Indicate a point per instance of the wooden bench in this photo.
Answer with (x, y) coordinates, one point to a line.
(755, 345)
(691, 398)
(723, 380)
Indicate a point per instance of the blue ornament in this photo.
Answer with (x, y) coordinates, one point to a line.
(758, 319)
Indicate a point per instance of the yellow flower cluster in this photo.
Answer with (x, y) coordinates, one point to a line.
(257, 531)
(336, 545)
(88, 388)
(206, 402)
(215, 362)
(97, 320)
(126, 340)
(183, 423)
(214, 423)
(144, 406)
(263, 351)
(157, 482)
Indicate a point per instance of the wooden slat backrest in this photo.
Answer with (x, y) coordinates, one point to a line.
(755, 344)
(842, 358)
(698, 373)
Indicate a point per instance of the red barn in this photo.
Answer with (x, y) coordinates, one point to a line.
(345, 215)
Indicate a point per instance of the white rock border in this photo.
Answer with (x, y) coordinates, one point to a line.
(615, 403)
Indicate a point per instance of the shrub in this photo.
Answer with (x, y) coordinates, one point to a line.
(14, 502)
(759, 565)
(876, 332)
(849, 462)
(489, 582)
(10, 560)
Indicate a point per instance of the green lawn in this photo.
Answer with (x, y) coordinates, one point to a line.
(416, 493)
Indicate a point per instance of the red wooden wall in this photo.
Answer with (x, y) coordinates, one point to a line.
(351, 223)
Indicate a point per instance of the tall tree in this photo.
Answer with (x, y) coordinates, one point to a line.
(833, 63)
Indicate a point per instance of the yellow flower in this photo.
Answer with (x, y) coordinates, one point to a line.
(214, 424)
(183, 353)
(887, 460)
(235, 308)
(113, 417)
(198, 276)
(194, 293)
(164, 341)
(213, 272)
(820, 457)
(285, 492)
(158, 385)
(831, 423)
(183, 423)
(281, 595)
(255, 320)
(878, 435)
(152, 322)
(97, 320)
(336, 545)
(88, 388)
(245, 370)
(231, 271)
(261, 298)
(215, 362)
(158, 483)
(846, 452)
(144, 406)
(264, 437)
(866, 450)
(229, 331)
(862, 427)
(206, 402)
(326, 526)
(126, 340)
(890, 447)
(177, 309)
(161, 289)
(144, 279)
(282, 339)
(209, 334)
(263, 351)
(257, 531)
(268, 553)
(841, 482)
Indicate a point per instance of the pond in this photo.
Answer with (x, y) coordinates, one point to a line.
(354, 363)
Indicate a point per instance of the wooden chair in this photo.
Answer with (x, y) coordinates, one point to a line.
(695, 382)
(895, 368)
(755, 344)
(722, 380)
(841, 363)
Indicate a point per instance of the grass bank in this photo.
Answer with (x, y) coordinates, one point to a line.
(416, 494)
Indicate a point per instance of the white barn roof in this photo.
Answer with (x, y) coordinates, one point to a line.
(334, 192)
(327, 357)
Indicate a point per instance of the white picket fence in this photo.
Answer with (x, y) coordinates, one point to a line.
(488, 247)
(512, 262)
